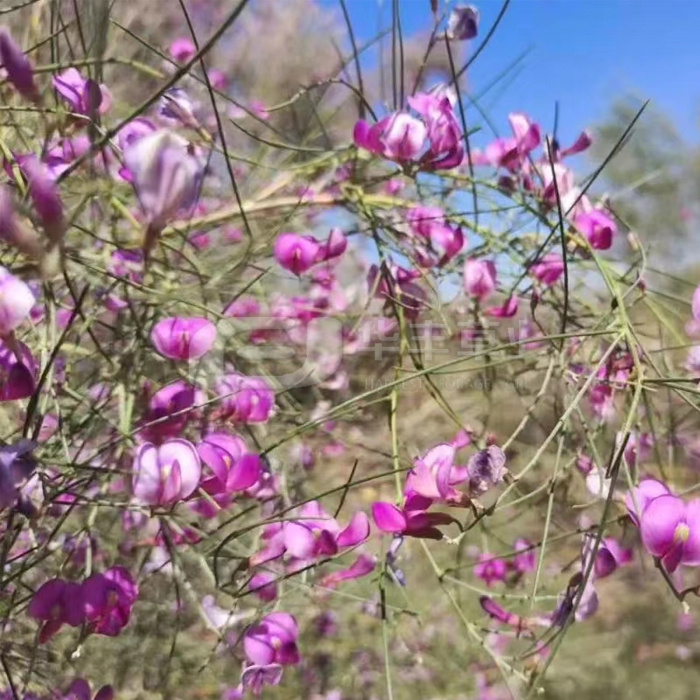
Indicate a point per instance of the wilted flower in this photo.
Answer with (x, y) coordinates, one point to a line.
(486, 468)
(15, 466)
(182, 337)
(463, 22)
(166, 473)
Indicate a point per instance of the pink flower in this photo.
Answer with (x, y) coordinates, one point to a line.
(16, 301)
(183, 338)
(273, 640)
(433, 141)
(295, 252)
(411, 520)
(174, 398)
(19, 69)
(232, 467)
(182, 49)
(244, 399)
(506, 310)
(45, 197)
(670, 530)
(444, 241)
(490, 568)
(524, 559)
(642, 495)
(549, 268)
(362, 566)
(597, 226)
(479, 278)
(263, 584)
(434, 474)
(167, 473)
(312, 534)
(396, 285)
(398, 137)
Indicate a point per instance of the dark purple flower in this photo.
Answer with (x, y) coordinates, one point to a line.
(19, 69)
(15, 466)
(57, 602)
(108, 598)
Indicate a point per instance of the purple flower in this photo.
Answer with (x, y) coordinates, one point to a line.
(264, 585)
(273, 640)
(597, 226)
(166, 176)
(549, 268)
(182, 337)
(608, 558)
(15, 466)
(174, 398)
(18, 372)
(79, 689)
(479, 278)
(16, 301)
(244, 399)
(463, 22)
(57, 602)
(670, 530)
(108, 598)
(82, 94)
(19, 69)
(255, 677)
(167, 473)
(486, 468)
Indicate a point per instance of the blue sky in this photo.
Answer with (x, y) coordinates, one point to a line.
(583, 54)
